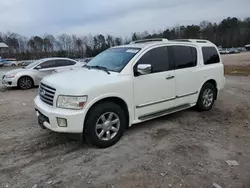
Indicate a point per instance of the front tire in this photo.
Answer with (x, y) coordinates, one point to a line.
(206, 97)
(25, 83)
(104, 125)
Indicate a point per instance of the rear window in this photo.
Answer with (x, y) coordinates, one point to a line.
(210, 55)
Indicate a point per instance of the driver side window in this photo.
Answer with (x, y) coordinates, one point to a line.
(47, 64)
(157, 58)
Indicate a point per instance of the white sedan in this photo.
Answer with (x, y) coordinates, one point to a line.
(31, 75)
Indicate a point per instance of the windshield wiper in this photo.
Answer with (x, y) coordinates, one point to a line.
(88, 67)
(100, 68)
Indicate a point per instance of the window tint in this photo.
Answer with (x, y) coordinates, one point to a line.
(210, 55)
(68, 62)
(184, 56)
(47, 64)
(157, 58)
(61, 63)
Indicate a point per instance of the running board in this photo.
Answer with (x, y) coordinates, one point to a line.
(164, 112)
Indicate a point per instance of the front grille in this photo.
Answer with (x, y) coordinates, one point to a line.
(46, 94)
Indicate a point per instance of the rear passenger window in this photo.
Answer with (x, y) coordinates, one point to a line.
(157, 58)
(184, 56)
(210, 55)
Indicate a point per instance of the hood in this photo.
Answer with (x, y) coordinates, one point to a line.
(78, 81)
(14, 71)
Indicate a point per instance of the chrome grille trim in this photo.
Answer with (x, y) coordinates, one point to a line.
(47, 97)
(46, 93)
(47, 88)
(46, 100)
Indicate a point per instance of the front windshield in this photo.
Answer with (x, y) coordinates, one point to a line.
(35, 63)
(114, 59)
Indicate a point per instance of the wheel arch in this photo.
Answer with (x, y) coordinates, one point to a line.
(117, 100)
(212, 81)
(33, 81)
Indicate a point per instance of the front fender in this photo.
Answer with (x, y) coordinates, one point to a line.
(109, 95)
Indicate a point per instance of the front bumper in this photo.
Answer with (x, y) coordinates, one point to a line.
(75, 118)
(9, 82)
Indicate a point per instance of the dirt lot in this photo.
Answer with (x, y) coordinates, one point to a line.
(185, 149)
(242, 59)
(237, 64)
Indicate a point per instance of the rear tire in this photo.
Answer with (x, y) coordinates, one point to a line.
(104, 125)
(206, 97)
(25, 83)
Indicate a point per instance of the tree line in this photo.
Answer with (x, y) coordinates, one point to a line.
(230, 32)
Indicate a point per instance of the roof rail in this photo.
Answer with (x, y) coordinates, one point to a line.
(149, 40)
(193, 40)
(181, 40)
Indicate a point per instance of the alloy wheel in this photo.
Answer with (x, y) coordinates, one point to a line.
(207, 97)
(107, 126)
(25, 83)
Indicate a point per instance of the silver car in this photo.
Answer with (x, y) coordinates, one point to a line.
(32, 74)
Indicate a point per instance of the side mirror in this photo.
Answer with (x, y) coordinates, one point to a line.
(38, 67)
(143, 69)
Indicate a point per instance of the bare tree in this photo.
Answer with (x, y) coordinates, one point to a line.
(230, 32)
(62, 41)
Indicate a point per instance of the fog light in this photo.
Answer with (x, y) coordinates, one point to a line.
(62, 122)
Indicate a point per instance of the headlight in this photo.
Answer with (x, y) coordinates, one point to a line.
(71, 102)
(10, 76)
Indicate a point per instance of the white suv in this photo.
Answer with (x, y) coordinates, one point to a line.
(130, 84)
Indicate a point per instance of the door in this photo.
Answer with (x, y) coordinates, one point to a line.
(46, 68)
(186, 74)
(154, 92)
(62, 65)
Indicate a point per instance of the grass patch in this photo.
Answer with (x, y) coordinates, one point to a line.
(237, 70)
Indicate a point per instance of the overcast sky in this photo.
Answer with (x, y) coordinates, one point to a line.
(116, 17)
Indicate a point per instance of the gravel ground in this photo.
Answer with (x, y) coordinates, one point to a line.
(185, 149)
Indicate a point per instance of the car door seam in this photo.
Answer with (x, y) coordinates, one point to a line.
(186, 95)
(155, 102)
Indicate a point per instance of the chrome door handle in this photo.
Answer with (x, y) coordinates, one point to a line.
(169, 77)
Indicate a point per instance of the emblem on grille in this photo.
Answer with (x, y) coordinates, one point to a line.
(43, 92)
